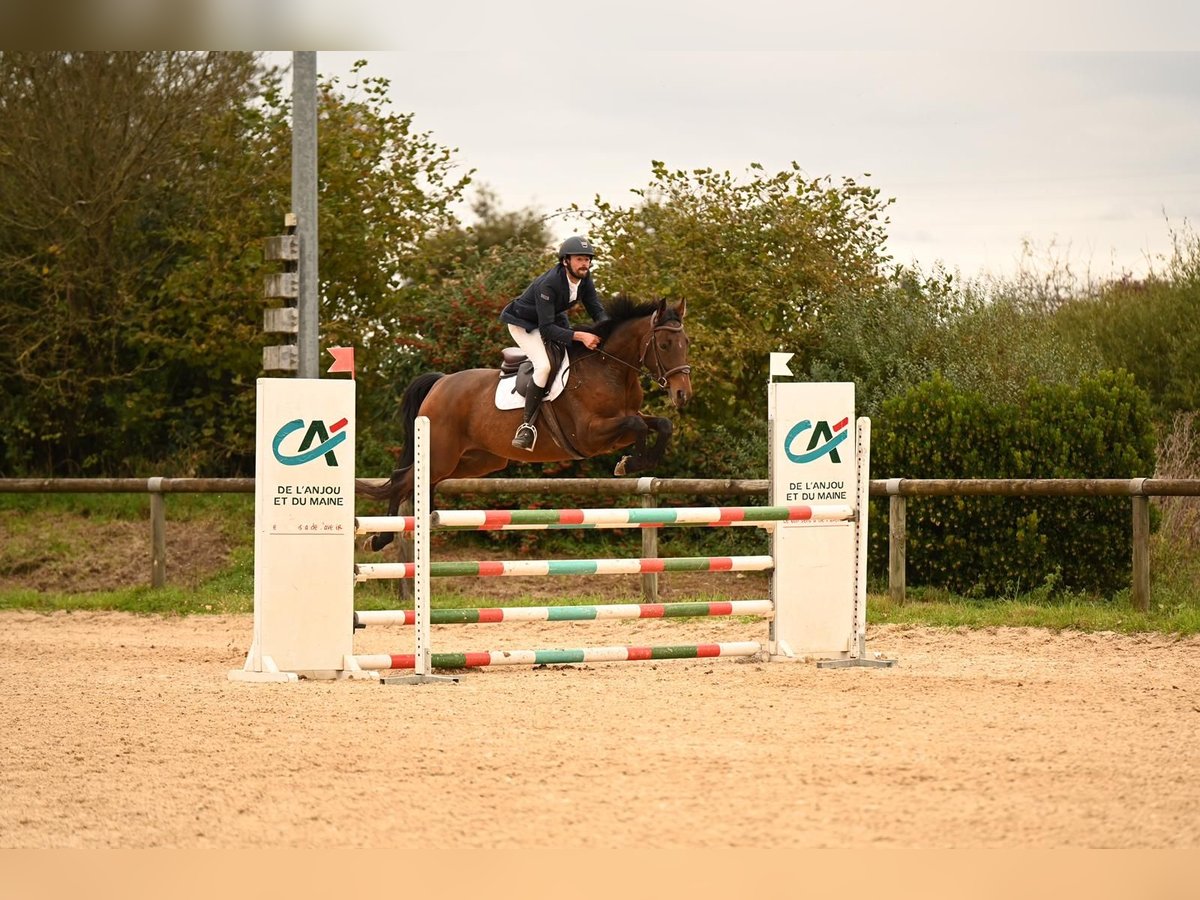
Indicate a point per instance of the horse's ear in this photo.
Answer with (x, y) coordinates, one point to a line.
(682, 308)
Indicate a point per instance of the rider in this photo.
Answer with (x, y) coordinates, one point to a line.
(540, 315)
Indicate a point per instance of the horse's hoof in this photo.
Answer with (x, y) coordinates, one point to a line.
(620, 469)
(377, 542)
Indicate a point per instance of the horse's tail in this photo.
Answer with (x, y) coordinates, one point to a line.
(410, 404)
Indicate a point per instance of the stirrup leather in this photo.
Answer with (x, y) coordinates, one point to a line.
(526, 437)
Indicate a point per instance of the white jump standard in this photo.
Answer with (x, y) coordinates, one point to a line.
(304, 618)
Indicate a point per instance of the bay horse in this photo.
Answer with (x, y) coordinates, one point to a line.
(597, 411)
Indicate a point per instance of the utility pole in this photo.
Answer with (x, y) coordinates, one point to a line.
(297, 284)
(304, 205)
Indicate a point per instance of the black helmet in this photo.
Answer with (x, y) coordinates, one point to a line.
(575, 246)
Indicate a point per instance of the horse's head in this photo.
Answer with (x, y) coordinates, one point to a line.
(649, 336)
(666, 354)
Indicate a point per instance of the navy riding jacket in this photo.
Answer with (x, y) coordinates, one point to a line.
(545, 303)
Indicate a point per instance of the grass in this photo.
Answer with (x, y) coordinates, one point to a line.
(141, 600)
(1175, 606)
(38, 529)
(1077, 614)
(229, 591)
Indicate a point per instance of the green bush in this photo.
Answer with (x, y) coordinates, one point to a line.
(1005, 546)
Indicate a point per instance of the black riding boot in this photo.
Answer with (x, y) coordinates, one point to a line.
(526, 435)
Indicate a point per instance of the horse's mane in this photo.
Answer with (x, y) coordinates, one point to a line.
(621, 309)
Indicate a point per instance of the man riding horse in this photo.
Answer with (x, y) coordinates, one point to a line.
(539, 316)
(601, 397)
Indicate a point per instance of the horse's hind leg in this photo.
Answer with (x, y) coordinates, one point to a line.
(401, 487)
(401, 484)
(475, 463)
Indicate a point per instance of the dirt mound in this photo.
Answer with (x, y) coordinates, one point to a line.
(75, 555)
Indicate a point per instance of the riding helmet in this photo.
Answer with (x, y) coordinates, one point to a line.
(575, 246)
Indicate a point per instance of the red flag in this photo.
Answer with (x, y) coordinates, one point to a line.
(343, 360)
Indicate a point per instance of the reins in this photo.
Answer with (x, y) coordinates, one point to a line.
(663, 374)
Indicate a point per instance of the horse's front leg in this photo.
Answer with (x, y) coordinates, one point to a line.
(646, 455)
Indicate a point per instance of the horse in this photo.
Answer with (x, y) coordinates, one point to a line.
(597, 412)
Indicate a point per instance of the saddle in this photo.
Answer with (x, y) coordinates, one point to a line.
(515, 362)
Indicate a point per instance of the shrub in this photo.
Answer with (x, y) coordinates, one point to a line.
(1001, 545)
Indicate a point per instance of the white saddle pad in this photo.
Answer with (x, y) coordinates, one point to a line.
(506, 389)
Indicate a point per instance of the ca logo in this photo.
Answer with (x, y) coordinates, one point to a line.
(306, 452)
(824, 439)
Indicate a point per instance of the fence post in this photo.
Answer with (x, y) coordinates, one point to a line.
(649, 541)
(1141, 546)
(897, 541)
(158, 533)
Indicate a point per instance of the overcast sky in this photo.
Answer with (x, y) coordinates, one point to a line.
(1090, 157)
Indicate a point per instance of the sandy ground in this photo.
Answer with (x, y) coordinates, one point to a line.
(119, 731)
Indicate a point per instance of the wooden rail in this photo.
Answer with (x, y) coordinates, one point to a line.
(1139, 489)
(897, 490)
(156, 487)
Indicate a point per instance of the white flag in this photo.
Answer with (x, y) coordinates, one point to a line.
(779, 364)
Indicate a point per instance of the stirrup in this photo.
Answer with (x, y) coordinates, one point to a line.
(525, 437)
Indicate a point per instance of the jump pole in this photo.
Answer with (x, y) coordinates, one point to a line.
(819, 454)
(423, 657)
(304, 531)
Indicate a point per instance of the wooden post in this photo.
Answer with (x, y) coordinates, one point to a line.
(1141, 552)
(649, 542)
(404, 553)
(897, 544)
(158, 533)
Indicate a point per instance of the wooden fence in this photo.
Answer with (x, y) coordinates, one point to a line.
(897, 490)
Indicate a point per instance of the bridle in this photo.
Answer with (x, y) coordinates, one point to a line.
(663, 373)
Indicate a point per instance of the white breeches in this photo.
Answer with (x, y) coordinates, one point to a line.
(535, 349)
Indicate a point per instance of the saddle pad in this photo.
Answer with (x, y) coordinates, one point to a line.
(506, 389)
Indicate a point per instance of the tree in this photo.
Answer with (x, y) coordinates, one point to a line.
(912, 326)
(888, 340)
(135, 193)
(91, 148)
(758, 262)
(385, 189)
(458, 248)
(1148, 328)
